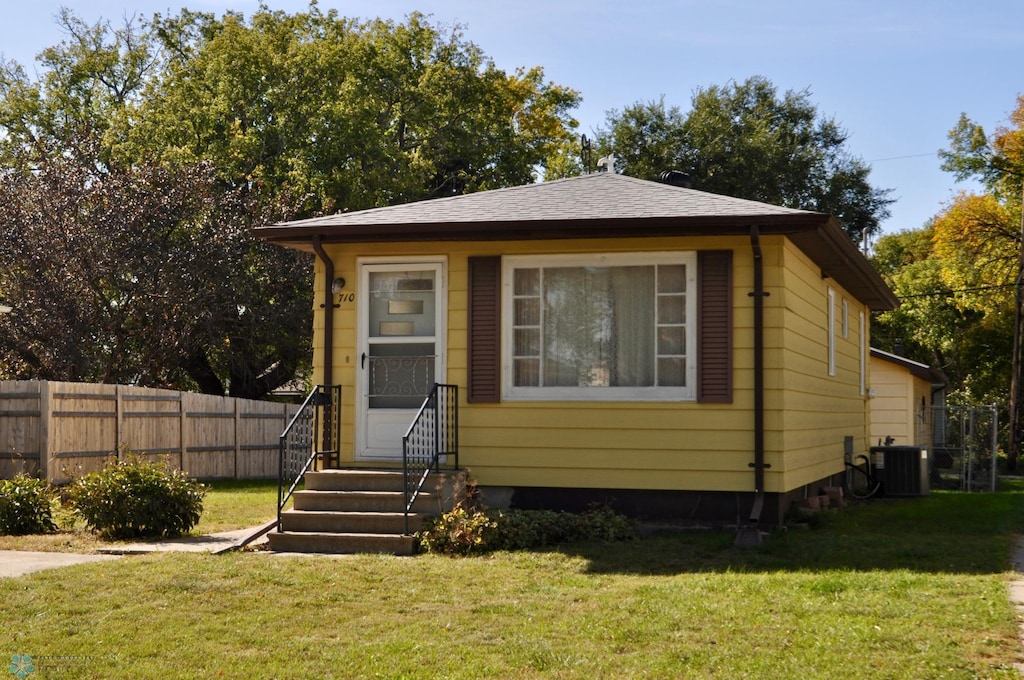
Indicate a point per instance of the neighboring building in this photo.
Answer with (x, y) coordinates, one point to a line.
(673, 352)
(905, 397)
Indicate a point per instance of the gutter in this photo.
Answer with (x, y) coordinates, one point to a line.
(328, 307)
(759, 295)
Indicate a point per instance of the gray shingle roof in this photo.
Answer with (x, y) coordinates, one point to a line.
(603, 196)
(604, 205)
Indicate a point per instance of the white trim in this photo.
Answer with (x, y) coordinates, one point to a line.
(831, 331)
(512, 393)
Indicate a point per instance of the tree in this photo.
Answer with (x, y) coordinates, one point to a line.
(934, 324)
(745, 140)
(349, 115)
(983, 234)
(109, 272)
(159, 143)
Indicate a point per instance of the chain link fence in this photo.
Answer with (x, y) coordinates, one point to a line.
(963, 446)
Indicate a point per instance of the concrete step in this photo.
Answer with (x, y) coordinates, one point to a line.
(341, 543)
(360, 501)
(349, 522)
(354, 480)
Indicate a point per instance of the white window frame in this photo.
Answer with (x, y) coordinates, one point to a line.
(831, 331)
(846, 319)
(512, 392)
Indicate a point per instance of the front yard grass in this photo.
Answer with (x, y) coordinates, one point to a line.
(912, 588)
(227, 505)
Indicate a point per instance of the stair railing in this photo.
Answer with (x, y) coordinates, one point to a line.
(312, 435)
(433, 436)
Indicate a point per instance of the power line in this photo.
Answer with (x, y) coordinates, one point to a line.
(899, 158)
(950, 293)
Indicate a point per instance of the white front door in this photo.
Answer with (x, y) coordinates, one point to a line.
(402, 322)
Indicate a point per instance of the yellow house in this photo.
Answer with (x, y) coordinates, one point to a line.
(672, 352)
(904, 395)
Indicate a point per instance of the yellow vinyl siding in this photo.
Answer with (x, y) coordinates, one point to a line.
(818, 410)
(644, 445)
(896, 404)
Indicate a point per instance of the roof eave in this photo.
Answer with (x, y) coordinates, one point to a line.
(817, 234)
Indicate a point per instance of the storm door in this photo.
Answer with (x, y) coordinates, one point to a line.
(401, 355)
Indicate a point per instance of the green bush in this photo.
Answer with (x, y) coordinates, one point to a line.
(457, 532)
(470, 529)
(134, 498)
(26, 506)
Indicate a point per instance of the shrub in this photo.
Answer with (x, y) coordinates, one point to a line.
(457, 532)
(525, 529)
(134, 498)
(469, 529)
(26, 506)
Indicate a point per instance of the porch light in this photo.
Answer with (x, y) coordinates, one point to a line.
(337, 285)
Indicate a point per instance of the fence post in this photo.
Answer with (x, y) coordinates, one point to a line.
(45, 419)
(238, 436)
(119, 443)
(183, 407)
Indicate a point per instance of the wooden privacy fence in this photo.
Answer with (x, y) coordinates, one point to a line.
(61, 430)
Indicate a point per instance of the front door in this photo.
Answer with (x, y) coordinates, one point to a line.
(402, 323)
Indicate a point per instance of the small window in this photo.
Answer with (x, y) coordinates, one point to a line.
(611, 326)
(831, 332)
(846, 319)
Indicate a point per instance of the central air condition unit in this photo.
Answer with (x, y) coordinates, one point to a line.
(902, 470)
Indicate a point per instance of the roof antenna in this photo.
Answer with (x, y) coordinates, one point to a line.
(585, 156)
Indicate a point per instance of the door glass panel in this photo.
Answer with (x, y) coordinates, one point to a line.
(402, 304)
(400, 375)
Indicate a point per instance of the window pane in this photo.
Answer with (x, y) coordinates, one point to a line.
(527, 312)
(527, 372)
(672, 278)
(617, 321)
(527, 282)
(402, 304)
(671, 309)
(672, 340)
(599, 326)
(527, 342)
(672, 372)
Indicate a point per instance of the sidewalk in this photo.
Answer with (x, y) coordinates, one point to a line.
(21, 562)
(1017, 589)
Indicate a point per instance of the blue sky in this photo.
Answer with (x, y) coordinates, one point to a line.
(895, 74)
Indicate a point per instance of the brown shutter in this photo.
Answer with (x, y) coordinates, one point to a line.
(484, 330)
(714, 326)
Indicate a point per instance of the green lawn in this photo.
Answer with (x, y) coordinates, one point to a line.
(913, 588)
(227, 505)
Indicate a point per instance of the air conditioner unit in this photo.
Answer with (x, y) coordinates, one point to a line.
(902, 470)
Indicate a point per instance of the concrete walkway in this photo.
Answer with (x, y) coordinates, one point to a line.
(21, 562)
(1017, 589)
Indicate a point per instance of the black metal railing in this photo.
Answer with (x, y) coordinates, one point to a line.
(312, 435)
(433, 436)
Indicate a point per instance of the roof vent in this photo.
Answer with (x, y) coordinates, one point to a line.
(676, 178)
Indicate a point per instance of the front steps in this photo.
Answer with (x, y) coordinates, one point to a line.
(353, 511)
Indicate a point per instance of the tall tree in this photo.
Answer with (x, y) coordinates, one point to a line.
(981, 235)
(184, 130)
(348, 114)
(109, 272)
(745, 140)
(936, 322)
